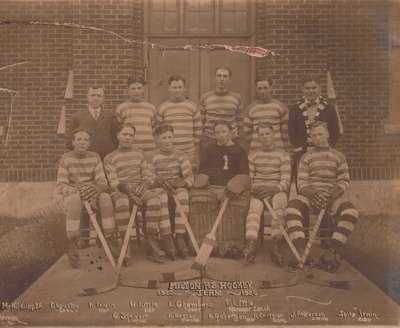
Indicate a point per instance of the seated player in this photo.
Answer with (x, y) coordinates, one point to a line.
(130, 179)
(81, 178)
(323, 178)
(269, 169)
(173, 174)
(224, 170)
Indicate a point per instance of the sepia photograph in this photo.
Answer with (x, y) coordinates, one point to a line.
(199, 163)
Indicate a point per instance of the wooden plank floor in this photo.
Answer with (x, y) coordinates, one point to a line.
(233, 298)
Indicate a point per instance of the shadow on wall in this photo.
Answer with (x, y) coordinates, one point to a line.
(374, 249)
(29, 249)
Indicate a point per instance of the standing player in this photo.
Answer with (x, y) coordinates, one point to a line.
(310, 109)
(130, 179)
(81, 178)
(174, 174)
(323, 178)
(220, 104)
(184, 117)
(269, 168)
(266, 109)
(140, 113)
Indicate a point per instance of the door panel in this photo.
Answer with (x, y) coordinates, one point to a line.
(197, 67)
(163, 64)
(239, 64)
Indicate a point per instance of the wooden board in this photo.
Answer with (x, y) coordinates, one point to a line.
(234, 298)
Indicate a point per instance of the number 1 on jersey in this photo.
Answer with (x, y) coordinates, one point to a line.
(226, 163)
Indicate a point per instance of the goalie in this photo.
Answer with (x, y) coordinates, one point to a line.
(224, 173)
(81, 178)
(323, 178)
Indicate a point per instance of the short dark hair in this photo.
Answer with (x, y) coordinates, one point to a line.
(80, 129)
(162, 129)
(135, 79)
(318, 124)
(224, 68)
(221, 122)
(176, 77)
(119, 127)
(74, 132)
(268, 79)
(264, 125)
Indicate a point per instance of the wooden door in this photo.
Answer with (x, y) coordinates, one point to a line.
(197, 66)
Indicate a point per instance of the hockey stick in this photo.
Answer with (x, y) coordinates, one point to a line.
(189, 274)
(306, 276)
(284, 233)
(267, 284)
(187, 225)
(151, 284)
(92, 217)
(338, 284)
(209, 241)
(148, 284)
(95, 291)
(312, 236)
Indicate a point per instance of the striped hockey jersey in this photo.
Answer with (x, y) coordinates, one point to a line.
(270, 167)
(274, 113)
(185, 118)
(171, 166)
(143, 116)
(127, 166)
(322, 169)
(227, 107)
(86, 168)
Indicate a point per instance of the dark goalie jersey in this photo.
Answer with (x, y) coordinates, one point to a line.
(222, 163)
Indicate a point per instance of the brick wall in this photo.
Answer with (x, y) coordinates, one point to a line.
(348, 37)
(95, 58)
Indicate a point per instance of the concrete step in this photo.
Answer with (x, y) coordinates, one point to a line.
(230, 295)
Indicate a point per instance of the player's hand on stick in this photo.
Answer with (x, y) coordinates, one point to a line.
(168, 186)
(320, 200)
(141, 189)
(230, 194)
(178, 183)
(89, 193)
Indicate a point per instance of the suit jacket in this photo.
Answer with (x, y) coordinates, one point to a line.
(298, 130)
(103, 131)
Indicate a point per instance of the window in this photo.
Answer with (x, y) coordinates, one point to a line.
(185, 17)
(164, 16)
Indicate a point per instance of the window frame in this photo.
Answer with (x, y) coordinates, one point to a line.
(217, 5)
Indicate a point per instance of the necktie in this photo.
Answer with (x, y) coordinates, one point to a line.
(96, 114)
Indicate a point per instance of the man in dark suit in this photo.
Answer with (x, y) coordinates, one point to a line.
(310, 108)
(99, 122)
(101, 125)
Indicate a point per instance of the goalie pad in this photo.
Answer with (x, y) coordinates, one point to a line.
(201, 181)
(238, 184)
